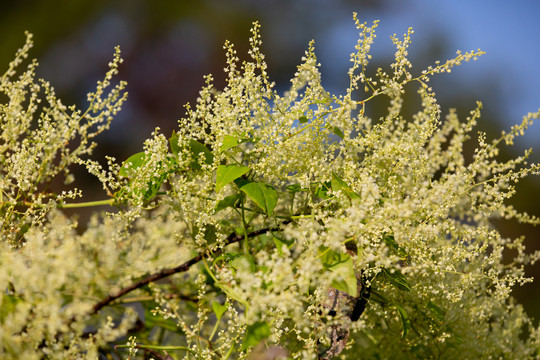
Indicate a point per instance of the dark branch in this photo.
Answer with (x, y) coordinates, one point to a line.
(231, 239)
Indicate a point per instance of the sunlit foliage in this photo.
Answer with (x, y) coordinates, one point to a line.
(267, 225)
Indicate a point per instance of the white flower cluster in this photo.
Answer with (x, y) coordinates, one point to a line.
(292, 223)
(41, 138)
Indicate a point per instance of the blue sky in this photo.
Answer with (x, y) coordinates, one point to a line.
(508, 31)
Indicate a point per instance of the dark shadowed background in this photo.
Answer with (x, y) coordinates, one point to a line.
(169, 45)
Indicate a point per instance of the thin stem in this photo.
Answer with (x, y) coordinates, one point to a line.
(308, 216)
(218, 320)
(210, 272)
(468, 274)
(109, 202)
(229, 352)
(244, 225)
(156, 347)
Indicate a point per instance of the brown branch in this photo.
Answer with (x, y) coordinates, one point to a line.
(231, 239)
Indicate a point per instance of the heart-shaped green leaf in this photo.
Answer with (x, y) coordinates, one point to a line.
(264, 195)
(321, 191)
(255, 333)
(342, 265)
(338, 184)
(337, 131)
(227, 173)
(197, 148)
(229, 141)
(219, 309)
(132, 163)
(130, 168)
(173, 143)
(228, 201)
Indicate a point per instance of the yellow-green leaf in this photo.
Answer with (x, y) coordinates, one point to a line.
(197, 148)
(436, 311)
(397, 279)
(132, 164)
(338, 184)
(227, 173)
(173, 143)
(228, 201)
(264, 195)
(219, 309)
(255, 333)
(337, 131)
(9, 303)
(405, 320)
(229, 141)
(342, 265)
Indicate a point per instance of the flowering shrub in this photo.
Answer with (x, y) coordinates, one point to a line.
(266, 226)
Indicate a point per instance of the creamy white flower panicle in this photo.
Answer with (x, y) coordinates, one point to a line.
(227, 238)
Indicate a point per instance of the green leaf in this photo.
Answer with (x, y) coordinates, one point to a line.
(436, 311)
(208, 232)
(228, 201)
(378, 298)
(219, 309)
(244, 262)
(326, 101)
(393, 245)
(255, 333)
(405, 320)
(132, 163)
(397, 279)
(294, 188)
(337, 131)
(130, 168)
(330, 258)
(264, 195)
(173, 143)
(342, 265)
(338, 184)
(231, 293)
(227, 173)
(322, 190)
(9, 303)
(280, 243)
(196, 148)
(303, 120)
(229, 141)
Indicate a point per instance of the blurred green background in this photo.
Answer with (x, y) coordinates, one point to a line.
(169, 45)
